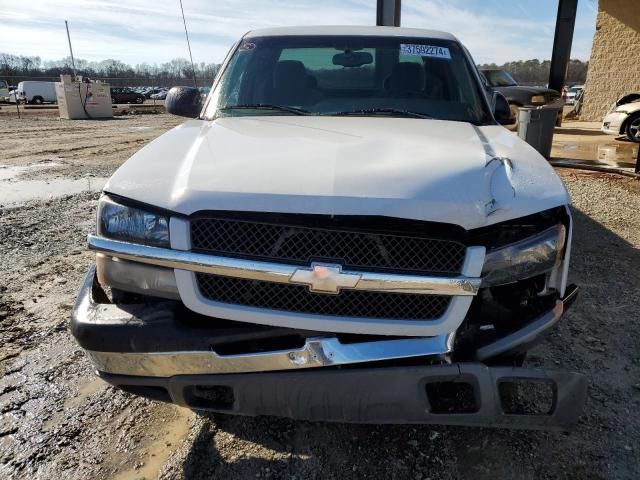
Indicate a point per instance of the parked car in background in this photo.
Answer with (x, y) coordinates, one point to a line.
(153, 91)
(624, 117)
(4, 91)
(36, 92)
(358, 244)
(521, 96)
(572, 93)
(125, 95)
(161, 95)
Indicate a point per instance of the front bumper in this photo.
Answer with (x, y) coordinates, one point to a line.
(147, 350)
(612, 123)
(396, 395)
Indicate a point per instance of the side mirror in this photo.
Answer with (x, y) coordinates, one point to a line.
(501, 110)
(184, 102)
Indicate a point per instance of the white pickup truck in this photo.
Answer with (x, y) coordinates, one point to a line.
(4, 91)
(342, 232)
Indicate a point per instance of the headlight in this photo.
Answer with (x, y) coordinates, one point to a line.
(538, 99)
(526, 258)
(132, 224)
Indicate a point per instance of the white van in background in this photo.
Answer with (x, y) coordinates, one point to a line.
(36, 92)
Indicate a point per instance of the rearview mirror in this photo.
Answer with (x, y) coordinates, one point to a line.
(501, 110)
(352, 59)
(184, 102)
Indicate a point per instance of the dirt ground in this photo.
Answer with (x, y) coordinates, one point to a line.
(57, 420)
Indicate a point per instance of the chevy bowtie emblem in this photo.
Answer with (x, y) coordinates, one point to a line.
(325, 278)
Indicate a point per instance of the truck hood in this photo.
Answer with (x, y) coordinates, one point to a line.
(527, 90)
(429, 170)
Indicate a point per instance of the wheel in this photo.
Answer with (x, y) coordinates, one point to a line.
(113, 101)
(38, 100)
(139, 100)
(633, 128)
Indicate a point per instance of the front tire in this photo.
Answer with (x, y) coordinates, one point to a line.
(38, 100)
(139, 100)
(633, 128)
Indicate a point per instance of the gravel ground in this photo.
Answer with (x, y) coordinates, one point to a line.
(57, 420)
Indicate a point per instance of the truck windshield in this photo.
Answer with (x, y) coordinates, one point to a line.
(349, 75)
(499, 78)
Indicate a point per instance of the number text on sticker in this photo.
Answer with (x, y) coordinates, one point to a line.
(425, 51)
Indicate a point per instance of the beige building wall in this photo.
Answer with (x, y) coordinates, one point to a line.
(614, 67)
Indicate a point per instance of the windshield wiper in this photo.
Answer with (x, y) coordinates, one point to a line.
(266, 106)
(384, 111)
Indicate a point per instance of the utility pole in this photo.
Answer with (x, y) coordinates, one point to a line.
(73, 62)
(193, 68)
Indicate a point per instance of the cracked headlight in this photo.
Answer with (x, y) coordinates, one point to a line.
(132, 224)
(527, 258)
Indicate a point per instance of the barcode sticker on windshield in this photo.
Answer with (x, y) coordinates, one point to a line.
(425, 51)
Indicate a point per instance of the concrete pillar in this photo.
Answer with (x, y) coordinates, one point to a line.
(565, 23)
(388, 13)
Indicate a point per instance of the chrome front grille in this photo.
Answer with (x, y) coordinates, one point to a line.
(359, 301)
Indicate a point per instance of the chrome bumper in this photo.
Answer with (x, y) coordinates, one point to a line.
(317, 352)
(91, 323)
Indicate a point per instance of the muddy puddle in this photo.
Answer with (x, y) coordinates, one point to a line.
(613, 154)
(166, 439)
(8, 172)
(15, 191)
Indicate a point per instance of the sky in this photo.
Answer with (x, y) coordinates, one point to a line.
(151, 31)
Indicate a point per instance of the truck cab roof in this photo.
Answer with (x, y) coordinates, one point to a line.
(337, 30)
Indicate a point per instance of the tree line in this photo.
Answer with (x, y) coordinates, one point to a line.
(16, 68)
(535, 72)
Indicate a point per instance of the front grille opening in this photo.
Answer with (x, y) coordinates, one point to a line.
(212, 397)
(153, 393)
(452, 397)
(353, 249)
(520, 396)
(298, 298)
